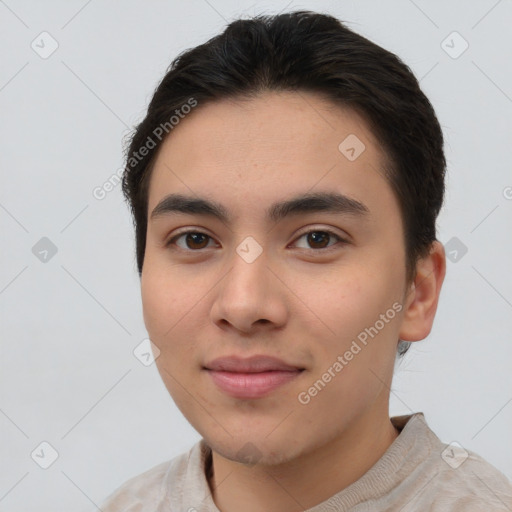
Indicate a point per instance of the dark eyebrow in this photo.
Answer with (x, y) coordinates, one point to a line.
(308, 203)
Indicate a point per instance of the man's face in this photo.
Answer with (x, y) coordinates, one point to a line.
(252, 285)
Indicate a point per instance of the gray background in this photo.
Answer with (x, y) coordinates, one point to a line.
(70, 324)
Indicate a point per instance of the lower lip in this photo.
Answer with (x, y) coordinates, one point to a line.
(251, 385)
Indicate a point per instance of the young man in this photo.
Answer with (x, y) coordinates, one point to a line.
(285, 185)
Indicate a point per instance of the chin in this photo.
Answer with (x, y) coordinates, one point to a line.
(254, 449)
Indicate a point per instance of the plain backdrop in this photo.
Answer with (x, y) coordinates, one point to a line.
(70, 305)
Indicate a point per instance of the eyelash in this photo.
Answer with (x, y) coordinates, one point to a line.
(341, 241)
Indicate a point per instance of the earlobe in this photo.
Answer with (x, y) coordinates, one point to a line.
(423, 296)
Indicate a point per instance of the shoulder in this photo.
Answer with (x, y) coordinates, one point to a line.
(463, 481)
(438, 477)
(146, 491)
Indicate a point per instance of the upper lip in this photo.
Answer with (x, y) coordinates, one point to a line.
(253, 364)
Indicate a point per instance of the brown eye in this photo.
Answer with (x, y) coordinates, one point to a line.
(318, 239)
(194, 240)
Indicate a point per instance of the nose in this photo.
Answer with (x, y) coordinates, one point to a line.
(250, 297)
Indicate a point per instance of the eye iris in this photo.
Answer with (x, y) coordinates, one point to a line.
(194, 237)
(316, 236)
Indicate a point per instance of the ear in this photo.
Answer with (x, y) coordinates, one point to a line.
(422, 297)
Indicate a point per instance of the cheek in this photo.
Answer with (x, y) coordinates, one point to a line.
(348, 307)
(167, 298)
(172, 306)
(344, 398)
(157, 302)
(338, 303)
(166, 311)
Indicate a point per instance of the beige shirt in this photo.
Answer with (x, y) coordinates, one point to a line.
(417, 473)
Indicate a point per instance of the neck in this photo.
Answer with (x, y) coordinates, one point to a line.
(306, 481)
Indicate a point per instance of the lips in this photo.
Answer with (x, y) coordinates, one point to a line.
(251, 378)
(255, 364)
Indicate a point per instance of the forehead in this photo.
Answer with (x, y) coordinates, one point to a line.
(283, 125)
(253, 152)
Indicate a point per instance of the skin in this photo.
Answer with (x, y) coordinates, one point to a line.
(202, 300)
